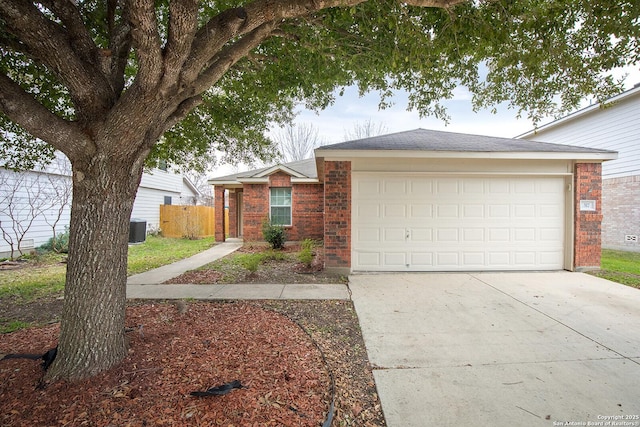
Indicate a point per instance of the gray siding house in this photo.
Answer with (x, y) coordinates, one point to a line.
(613, 125)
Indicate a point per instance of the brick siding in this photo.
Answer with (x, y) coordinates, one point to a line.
(588, 186)
(255, 210)
(337, 215)
(621, 213)
(219, 213)
(307, 209)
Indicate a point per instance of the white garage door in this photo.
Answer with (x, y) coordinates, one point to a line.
(427, 223)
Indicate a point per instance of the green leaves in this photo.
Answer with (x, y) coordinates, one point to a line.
(542, 57)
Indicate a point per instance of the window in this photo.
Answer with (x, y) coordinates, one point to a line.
(280, 206)
(167, 200)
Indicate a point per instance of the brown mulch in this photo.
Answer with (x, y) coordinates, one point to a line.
(179, 348)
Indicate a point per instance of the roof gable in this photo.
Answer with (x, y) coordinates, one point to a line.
(300, 171)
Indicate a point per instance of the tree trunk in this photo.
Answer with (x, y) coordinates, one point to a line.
(92, 335)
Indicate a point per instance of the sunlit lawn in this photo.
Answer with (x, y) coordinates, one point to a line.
(620, 266)
(46, 273)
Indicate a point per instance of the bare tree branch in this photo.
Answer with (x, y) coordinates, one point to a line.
(297, 142)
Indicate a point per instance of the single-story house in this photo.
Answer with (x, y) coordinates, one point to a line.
(426, 200)
(612, 125)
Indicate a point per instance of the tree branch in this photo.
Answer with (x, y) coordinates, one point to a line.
(69, 15)
(22, 108)
(231, 54)
(443, 4)
(146, 42)
(183, 24)
(52, 46)
(181, 112)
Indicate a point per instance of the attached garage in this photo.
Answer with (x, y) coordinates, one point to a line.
(421, 222)
(438, 201)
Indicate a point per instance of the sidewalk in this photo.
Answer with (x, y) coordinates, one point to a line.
(149, 285)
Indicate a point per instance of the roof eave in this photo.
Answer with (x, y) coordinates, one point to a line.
(526, 155)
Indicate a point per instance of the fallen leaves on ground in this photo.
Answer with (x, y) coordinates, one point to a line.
(172, 354)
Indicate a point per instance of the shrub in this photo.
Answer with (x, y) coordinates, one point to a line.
(250, 262)
(59, 243)
(306, 256)
(308, 244)
(275, 235)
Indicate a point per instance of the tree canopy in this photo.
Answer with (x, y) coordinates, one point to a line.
(245, 65)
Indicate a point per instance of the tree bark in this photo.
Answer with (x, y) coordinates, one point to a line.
(93, 320)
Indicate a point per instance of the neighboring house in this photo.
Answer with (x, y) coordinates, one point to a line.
(33, 203)
(612, 126)
(430, 201)
(159, 187)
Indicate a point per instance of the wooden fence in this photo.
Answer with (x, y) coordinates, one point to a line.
(187, 221)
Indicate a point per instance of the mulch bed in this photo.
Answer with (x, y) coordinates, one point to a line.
(177, 348)
(172, 354)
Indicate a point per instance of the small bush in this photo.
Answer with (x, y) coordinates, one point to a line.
(308, 244)
(306, 256)
(275, 235)
(250, 262)
(59, 243)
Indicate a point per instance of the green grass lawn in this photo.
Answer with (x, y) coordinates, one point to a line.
(620, 266)
(45, 274)
(159, 251)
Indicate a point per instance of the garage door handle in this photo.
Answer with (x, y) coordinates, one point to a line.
(408, 235)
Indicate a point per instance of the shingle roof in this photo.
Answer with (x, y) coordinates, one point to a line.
(431, 140)
(306, 167)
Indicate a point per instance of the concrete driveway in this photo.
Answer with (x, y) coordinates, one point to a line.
(502, 349)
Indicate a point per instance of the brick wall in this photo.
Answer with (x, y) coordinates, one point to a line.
(280, 179)
(307, 209)
(588, 186)
(621, 213)
(219, 213)
(255, 210)
(337, 214)
(308, 212)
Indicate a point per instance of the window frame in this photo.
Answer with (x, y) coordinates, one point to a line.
(289, 206)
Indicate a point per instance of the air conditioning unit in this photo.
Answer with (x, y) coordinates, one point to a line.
(137, 230)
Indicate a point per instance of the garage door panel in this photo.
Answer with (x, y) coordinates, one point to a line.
(424, 260)
(394, 235)
(418, 223)
(396, 187)
(473, 211)
(447, 211)
(395, 211)
(447, 186)
(420, 211)
(499, 211)
(418, 235)
(473, 235)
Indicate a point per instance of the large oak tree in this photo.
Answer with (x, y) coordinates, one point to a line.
(115, 84)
